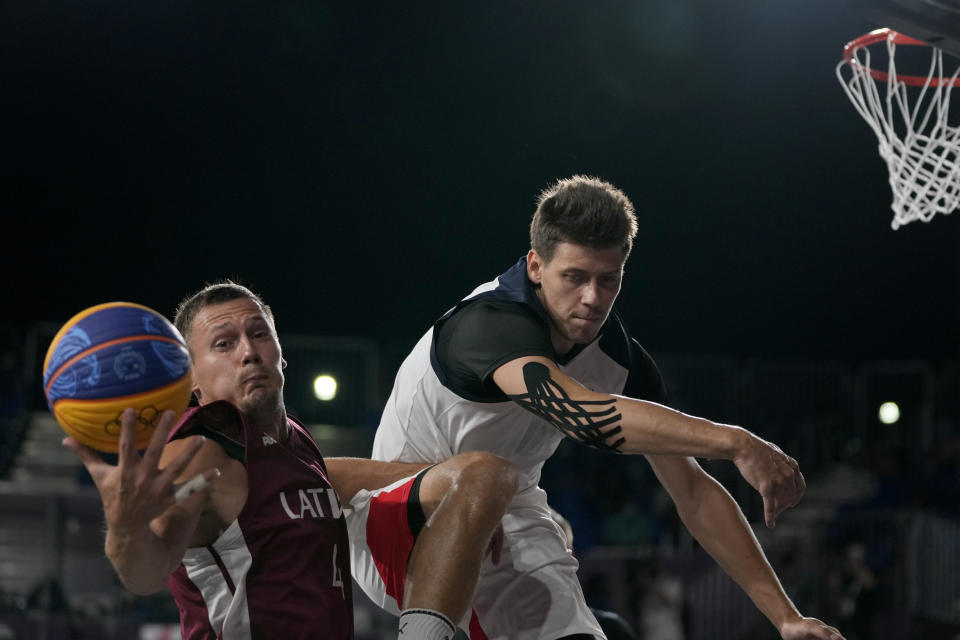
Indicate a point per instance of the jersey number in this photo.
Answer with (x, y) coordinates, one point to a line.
(337, 576)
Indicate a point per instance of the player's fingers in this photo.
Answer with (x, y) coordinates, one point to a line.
(790, 483)
(94, 464)
(769, 516)
(801, 485)
(195, 484)
(827, 633)
(159, 439)
(810, 629)
(176, 467)
(127, 448)
(772, 506)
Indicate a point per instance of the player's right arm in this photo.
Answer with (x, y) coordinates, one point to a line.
(148, 529)
(350, 475)
(628, 425)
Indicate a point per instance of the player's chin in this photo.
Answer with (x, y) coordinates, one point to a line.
(261, 397)
(583, 333)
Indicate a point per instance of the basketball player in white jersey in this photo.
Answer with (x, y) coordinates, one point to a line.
(540, 354)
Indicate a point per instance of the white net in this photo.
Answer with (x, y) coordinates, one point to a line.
(909, 118)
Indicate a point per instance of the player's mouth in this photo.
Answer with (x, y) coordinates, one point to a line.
(255, 380)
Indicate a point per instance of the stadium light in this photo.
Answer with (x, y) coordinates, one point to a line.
(325, 387)
(889, 412)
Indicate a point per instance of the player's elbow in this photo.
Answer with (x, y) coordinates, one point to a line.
(143, 572)
(140, 586)
(700, 489)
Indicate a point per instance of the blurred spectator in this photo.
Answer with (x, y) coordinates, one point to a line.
(661, 605)
(941, 477)
(853, 592)
(613, 625)
(629, 525)
(47, 596)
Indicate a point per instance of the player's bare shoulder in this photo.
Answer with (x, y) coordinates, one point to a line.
(223, 450)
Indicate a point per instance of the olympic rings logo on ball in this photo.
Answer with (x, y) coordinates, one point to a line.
(146, 419)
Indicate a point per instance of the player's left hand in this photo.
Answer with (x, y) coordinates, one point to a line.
(774, 474)
(136, 490)
(809, 629)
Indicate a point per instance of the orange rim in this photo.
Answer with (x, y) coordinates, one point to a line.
(878, 35)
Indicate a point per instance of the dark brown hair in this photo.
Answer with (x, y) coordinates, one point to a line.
(582, 210)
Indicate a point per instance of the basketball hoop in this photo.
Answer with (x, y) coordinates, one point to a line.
(921, 149)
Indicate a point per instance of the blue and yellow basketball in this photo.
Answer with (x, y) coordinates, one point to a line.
(107, 358)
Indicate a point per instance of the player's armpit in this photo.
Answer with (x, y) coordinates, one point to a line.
(538, 385)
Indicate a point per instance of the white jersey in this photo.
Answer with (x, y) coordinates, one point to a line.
(424, 421)
(534, 593)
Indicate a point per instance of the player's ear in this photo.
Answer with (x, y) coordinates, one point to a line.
(283, 362)
(195, 388)
(534, 266)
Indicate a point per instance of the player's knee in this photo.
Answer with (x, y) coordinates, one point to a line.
(488, 476)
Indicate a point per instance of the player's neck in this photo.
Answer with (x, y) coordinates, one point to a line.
(272, 422)
(561, 345)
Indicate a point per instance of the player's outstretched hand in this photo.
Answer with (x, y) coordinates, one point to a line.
(773, 473)
(136, 491)
(809, 629)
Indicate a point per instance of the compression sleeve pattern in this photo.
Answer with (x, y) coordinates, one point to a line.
(594, 423)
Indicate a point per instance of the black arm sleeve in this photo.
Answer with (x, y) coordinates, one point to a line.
(482, 336)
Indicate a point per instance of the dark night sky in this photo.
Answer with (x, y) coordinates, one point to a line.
(365, 165)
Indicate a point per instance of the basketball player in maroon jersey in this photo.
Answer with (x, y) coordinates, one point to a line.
(262, 552)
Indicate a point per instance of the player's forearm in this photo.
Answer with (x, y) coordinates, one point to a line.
(715, 520)
(349, 475)
(651, 428)
(140, 558)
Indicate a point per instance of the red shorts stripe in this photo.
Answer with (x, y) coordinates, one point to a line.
(389, 538)
(476, 633)
(390, 543)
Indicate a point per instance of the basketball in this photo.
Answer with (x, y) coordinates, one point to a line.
(110, 357)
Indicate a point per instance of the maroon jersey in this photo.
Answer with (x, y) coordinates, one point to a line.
(282, 568)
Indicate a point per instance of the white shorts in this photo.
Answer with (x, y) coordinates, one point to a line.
(532, 594)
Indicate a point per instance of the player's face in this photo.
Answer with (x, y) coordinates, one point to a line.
(578, 288)
(237, 357)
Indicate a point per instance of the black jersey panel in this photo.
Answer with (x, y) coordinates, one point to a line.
(221, 422)
(644, 381)
(483, 335)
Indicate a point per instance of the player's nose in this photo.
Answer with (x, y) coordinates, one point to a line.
(589, 294)
(249, 352)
